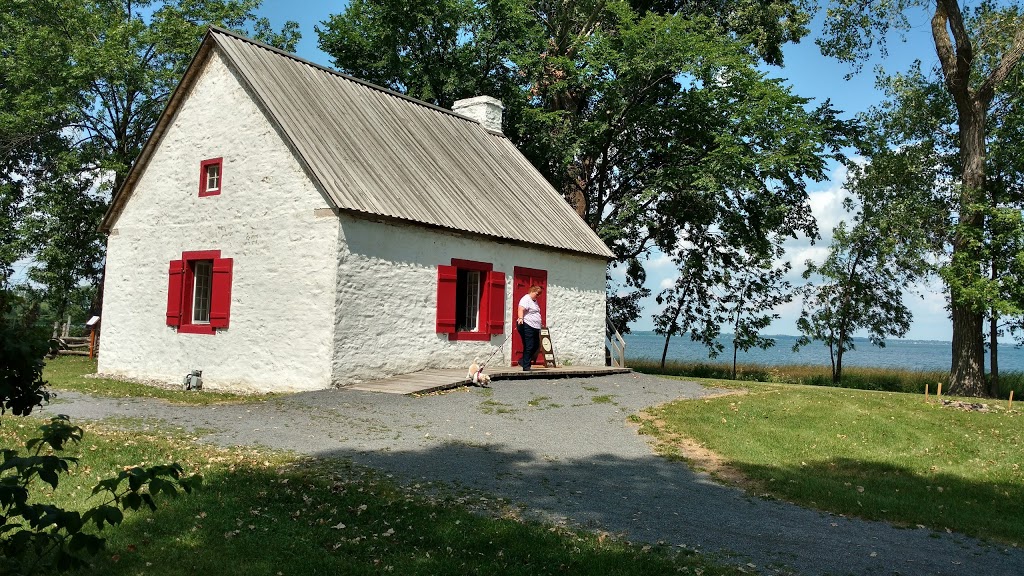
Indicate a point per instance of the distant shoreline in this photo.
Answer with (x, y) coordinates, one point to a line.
(897, 354)
(728, 336)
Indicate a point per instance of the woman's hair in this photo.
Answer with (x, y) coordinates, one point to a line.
(535, 288)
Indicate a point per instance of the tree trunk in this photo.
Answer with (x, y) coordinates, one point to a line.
(837, 370)
(832, 357)
(734, 348)
(993, 334)
(96, 306)
(966, 376)
(967, 373)
(664, 352)
(668, 333)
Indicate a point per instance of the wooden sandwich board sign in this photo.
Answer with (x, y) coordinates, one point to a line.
(547, 348)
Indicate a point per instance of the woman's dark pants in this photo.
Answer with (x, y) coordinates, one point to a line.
(531, 343)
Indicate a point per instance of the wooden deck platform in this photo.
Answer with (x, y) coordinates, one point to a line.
(427, 381)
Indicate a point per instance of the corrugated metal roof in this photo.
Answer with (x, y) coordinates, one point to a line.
(380, 153)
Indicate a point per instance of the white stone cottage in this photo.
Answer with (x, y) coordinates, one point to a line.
(287, 227)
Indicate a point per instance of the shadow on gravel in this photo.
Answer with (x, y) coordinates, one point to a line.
(653, 499)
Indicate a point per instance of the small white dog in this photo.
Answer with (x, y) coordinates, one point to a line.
(476, 374)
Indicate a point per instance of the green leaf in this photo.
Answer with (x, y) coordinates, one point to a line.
(131, 501)
(137, 477)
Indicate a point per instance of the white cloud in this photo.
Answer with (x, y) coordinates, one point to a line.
(827, 204)
(798, 255)
(658, 261)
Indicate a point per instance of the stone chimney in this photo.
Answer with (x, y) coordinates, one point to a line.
(483, 109)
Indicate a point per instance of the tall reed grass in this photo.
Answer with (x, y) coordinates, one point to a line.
(885, 379)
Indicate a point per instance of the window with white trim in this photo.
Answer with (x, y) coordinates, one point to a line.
(199, 292)
(470, 300)
(467, 300)
(202, 271)
(211, 176)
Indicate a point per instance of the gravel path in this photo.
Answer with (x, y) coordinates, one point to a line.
(564, 449)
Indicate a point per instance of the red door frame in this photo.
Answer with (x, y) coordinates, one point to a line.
(522, 279)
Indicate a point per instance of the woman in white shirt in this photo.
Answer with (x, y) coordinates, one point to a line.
(528, 324)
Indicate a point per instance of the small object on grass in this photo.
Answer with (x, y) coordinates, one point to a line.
(938, 393)
(926, 392)
(972, 406)
(1009, 405)
(193, 381)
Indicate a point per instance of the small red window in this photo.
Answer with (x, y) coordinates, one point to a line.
(211, 176)
(470, 300)
(199, 292)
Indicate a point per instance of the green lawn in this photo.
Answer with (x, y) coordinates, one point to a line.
(268, 513)
(858, 377)
(68, 373)
(878, 455)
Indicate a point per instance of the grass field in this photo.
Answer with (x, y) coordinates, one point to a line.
(890, 380)
(877, 455)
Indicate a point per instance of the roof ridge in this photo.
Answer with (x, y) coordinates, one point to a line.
(286, 54)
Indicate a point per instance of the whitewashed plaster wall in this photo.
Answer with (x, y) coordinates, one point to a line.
(387, 300)
(282, 311)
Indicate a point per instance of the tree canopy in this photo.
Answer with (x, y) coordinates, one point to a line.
(652, 118)
(82, 84)
(870, 266)
(945, 136)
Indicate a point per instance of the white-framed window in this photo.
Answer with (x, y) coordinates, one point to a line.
(203, 273)
(470, 300)
(468, 291)
(213, 177)
(199, 292)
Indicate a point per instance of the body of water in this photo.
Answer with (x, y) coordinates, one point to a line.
(901, 354)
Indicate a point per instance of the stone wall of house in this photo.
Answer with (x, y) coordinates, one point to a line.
(387, 300)
(281, 328)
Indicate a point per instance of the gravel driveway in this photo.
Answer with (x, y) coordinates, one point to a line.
(564, 449)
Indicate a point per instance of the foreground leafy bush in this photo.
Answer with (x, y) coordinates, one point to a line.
(22, 346)
(37, 537)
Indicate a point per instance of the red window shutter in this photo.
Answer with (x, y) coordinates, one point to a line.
(176, 278)
(447, 277)
(220, 297)
(495, 303)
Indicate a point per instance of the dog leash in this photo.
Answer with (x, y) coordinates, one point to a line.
(502, 348)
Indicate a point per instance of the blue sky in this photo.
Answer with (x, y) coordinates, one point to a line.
(811, 75)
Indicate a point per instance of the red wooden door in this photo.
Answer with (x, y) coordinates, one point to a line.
(522, 279)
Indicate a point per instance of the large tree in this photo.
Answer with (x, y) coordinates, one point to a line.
(648, 116)
(977, 53)
(720, 286)
(753, 290)
(689, 305)
(870, 266)
(39, 89)
(83, 84)
(915, 150)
